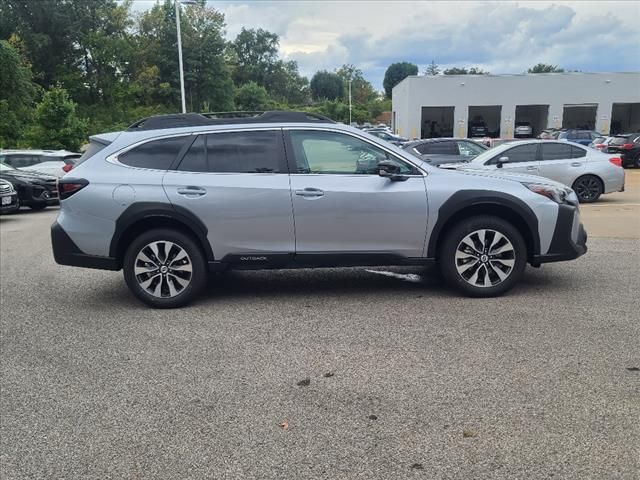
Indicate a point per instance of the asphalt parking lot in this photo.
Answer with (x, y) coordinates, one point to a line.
(332, 374)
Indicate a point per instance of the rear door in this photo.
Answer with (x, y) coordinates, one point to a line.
(341, 204)
(237, 184)
(562, 162)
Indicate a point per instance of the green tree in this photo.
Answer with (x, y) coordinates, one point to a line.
(545, 68)
(17, 93)
(55, 123)
(464, 71)
(361, 90)
(396, 73)
(432, 69)
(256, 55)
(252, 96)
(326, 85)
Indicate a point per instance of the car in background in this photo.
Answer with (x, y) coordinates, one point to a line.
(478, 128)
(492, 142)
(8, 198)
(547, 133)
(389, 137)
(583, 137)
(523, 129)
(50, 162)
(35, 190)
(628, 147)
(600, 143)
(588, 172)
(440, 151)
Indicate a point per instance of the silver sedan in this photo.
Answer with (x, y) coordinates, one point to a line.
(589, 172)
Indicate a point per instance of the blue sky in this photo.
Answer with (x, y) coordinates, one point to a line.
(500, 37)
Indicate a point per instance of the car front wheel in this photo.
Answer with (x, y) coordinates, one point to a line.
(165, 268)
(483, 256)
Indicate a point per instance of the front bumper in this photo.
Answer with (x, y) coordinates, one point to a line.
(569, 239)
(66, 252)
(10, 207)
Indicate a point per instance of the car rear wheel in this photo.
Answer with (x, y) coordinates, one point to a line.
(165, 268)
(483, 256)
(588, 188)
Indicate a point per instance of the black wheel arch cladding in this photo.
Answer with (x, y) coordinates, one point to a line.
(163, 212)
(484, 202)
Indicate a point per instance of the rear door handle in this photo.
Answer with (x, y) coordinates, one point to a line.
(310, 192)
(192, 191)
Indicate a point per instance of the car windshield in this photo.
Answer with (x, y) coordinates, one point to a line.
(619, 140)
(4, 166)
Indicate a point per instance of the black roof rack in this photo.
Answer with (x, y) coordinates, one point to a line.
(178, 120)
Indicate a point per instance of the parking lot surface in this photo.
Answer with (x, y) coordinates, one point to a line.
(332, 374)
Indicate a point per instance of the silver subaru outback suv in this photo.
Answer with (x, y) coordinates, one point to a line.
(177, 196)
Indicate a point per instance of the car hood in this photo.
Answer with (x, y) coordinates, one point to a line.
(515, 177)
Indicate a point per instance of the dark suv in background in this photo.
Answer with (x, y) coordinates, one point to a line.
(628, 146)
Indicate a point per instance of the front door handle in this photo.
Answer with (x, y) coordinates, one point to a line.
(532, 168)
(310, 192)
(192, 191)
(576, 164)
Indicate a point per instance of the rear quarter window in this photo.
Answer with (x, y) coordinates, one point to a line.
(155, 155)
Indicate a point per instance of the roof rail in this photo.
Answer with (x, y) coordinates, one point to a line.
(178, 120)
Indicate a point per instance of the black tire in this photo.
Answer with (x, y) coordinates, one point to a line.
(486, 268)
(38, 206)
(195, 260)
(636, 162)
(588, 188)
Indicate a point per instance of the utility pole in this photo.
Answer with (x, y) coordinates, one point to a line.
(350, 80)
(184, 103)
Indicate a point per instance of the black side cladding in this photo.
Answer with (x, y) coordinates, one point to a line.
(465, 199)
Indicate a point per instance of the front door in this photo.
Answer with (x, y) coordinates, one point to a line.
(237, 183)
(341, 204)
(521, 159)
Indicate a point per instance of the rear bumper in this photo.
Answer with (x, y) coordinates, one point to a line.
(11, 207)
(569, 238)
(65, 252)
(33, 195)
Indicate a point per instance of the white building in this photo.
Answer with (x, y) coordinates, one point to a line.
(446, 105)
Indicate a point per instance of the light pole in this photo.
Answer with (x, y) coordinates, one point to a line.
(350, 80)
(178, 2)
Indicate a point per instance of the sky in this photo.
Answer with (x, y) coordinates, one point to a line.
(499, 37)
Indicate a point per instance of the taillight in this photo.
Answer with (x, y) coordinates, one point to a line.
(627, 146)
(599, 146)
(67, 167)
(70, 186)
(617, 161)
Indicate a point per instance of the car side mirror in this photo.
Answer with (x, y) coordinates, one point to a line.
(389, 169)
(501, 161)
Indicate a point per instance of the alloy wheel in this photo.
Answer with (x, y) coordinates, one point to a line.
(163, 269)
(587, 189)
(485, 258)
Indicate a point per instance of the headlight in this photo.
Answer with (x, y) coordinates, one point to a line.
(557, 194)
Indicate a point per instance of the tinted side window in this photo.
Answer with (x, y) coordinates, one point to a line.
(195, 159)
(444, 148)
(556, 151)
(424, 148)
(156, 154)
(336, 153)
(577, 152)
(522, 153)
(245, 152)
(469, 148)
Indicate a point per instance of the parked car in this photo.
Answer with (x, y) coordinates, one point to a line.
(8, 198)
(176, 196)
(628, 147)
(583, 137)
(50, 162)
(439, 151)
(600, 143)
(478, 128)
(35, 190)
(523, 129)
(548, 133)
(587, 171)
(389, 137)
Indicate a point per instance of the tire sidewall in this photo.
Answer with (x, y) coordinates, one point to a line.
(198, 276)
(453, 238)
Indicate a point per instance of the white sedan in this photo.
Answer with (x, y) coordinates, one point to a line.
(589, 172)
